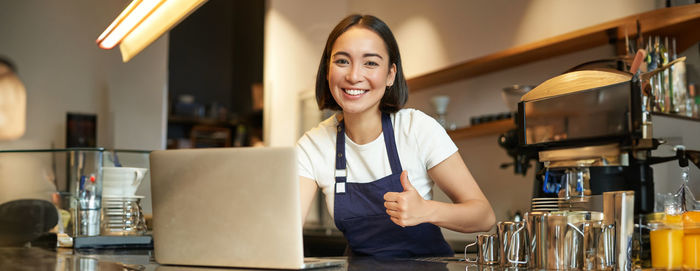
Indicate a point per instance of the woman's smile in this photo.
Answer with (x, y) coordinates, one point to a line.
(354, 92)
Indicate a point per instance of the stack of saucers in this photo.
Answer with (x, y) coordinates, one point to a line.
(121, 215)
(582, 203)
(549, 204)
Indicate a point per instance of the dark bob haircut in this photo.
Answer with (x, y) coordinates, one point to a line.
(395, 96)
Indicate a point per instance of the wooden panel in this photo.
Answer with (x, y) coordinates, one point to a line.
(682, 22)
(489, 128)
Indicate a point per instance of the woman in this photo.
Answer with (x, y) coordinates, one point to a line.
(375, 162)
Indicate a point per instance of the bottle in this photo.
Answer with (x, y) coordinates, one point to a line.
(695, 100)
(655, 80)
(679, 86)
(87, 196)
(675, 76)
(88, 217)
(663, 76)
(241, 134)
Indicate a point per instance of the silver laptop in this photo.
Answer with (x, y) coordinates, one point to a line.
(228, 207)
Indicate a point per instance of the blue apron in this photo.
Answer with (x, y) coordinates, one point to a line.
(360, 213)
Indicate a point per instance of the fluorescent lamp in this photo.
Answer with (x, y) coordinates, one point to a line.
(142, 22)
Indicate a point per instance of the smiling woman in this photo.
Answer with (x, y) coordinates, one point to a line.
(363, 156)
(359, 71)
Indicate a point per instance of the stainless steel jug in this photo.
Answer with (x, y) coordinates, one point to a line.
(547, 233)
(487, 249)
(513, 244)
(619, 211)
(591, 246)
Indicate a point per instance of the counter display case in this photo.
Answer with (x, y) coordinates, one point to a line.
(71, 179)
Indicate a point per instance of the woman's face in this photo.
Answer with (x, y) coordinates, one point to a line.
(359, 70)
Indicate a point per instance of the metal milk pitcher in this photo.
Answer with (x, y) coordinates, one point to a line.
(513, 244)
(549, 247)
(590, 246)
(487, 249)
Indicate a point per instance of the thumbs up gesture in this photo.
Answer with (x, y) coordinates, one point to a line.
(406, 208)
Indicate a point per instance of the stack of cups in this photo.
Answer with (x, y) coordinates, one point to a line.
(121, 207)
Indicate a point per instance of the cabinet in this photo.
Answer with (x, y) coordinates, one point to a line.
(681, 22)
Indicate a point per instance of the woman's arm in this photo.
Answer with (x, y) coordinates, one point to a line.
(469, 212)
(307, 191)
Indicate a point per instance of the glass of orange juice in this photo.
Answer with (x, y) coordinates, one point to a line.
(691, 240)
(666, 239)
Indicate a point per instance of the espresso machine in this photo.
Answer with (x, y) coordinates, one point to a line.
(590, 132)
(593, 129)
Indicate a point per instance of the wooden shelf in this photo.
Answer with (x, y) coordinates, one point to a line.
(489, 128)
(502, 126)
(680, 22)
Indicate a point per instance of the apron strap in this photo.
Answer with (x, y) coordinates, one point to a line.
(341, 171)
(390, 143)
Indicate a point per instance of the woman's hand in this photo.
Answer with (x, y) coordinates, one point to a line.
(406, 208)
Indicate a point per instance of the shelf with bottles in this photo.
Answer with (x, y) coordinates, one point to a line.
(665, 80)
(681, 22)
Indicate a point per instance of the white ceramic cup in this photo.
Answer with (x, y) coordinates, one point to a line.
(121, 181)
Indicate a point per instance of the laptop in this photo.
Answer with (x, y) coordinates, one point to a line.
(229, 207)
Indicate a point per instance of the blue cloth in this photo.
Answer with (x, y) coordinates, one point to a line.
(360, 213)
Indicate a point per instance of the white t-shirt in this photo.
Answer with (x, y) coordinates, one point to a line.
(420, 141)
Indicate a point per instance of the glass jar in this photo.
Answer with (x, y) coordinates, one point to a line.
(666, 239)
(691, 240)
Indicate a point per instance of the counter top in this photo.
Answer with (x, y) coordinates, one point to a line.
(142, 260)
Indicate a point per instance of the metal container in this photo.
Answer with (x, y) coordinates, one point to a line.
(545, 231)
(513, 243)
(85, 176)
(553, 240)
(618, 207)
(487, 250)
(591, 246)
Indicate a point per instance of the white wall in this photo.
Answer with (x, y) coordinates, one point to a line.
(53, 46)
(295, 34)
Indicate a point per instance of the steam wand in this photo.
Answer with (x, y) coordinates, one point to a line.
(683, 156)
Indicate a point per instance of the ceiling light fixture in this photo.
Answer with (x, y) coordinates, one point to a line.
(142, 22)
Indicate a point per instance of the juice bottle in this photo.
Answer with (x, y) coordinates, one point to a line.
(691, 240)
(666, 239)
